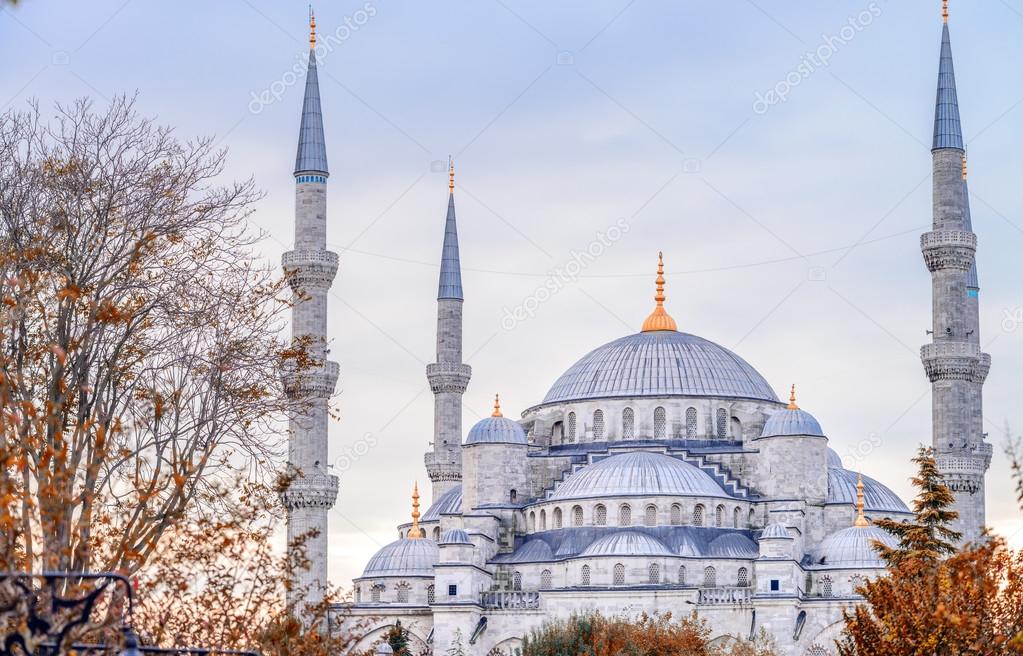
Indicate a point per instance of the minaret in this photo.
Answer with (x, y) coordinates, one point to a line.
(448, 376)
(310, 269)
(953, 361)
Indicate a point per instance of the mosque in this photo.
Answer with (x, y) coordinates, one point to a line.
(661, 471)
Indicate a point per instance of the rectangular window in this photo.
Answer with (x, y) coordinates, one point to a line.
(452, 590)
(775, 585)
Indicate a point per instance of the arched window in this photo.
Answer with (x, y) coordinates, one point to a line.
(517, 581)
(682, 575)
(577, 515)
(625, 515)
(676, 514)
(736, 518)
(660, 423)
(825, 586)
(571, 427)
(719, 516)
(816, 650)
(401, 593)
(431, 594)
(619, 574)
(742, 578)
(557, 518)
(513, 496)
(543, 520)
(600, 515)
(690, 423)
(628, 424)
(809, 583)
(358, 594)
(598, 425)
(375, 592)
(584, 576)
(654, 574)
(436, 534)
(650, 517)
(856, 582)
(752, 517)
(697, 515)
(722, 423)
(532, 522)
(545, 579)
(710, 577)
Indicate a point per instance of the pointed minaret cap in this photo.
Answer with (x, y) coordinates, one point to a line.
(312, 145)
(792, 398)
(948, 129)
(415, 533)
(450, 284)
(497, 406)
(659, 318)
(860, 521)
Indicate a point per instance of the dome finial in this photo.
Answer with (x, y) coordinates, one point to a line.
(312, 29)
(497, 406)
(944, 10)
(415, 532)
(659, 318)
(964, 166)
(861, 521)
(451, 175)
(792, 398)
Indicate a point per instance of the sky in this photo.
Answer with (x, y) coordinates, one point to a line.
(777, 152)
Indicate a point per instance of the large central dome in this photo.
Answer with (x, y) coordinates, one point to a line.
(660, 363)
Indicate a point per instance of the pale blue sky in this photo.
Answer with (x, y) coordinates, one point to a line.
(564, 118)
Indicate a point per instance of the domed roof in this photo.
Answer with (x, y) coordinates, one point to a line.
(660, 363)
(449, 503)
(496, 430)
(533, 551)
(853, 548)
(733, 545)
(791, 422)
(775, 531)
(834, 460)
(627, 543)
(639, 473)
(404, 557)
(455, 536)
(877, 497)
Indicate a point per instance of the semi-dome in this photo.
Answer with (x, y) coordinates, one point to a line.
(775, 531)
(877, 497)
(455, 536)
(627, 543)
(449, 503)
(496, 429)
(405, 557)
(853, 548)
(733, 545)
(660, 363)
(834, 460)
(641, 474)
(531, 552)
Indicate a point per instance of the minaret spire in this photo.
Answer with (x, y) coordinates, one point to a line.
(310, 269)
(953, 361)
(448, 376)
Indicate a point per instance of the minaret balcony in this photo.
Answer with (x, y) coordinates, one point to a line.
(310, 269)
(948, 249)
(311, 382)
(954, 361)
(452, 377)
(316, 491)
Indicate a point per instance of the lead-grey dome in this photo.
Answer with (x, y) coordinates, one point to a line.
(496, 430)
(638, 474)
(877, 498)
(791, 421)
(662, 363)
(404, 557)
(853, 548)
(627, 543)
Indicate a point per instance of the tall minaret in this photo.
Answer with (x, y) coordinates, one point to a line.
(954, 361)
(311, 269)
(448, 376)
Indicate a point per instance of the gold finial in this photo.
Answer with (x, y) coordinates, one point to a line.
(792, 398)
(415, 532)
(964, 167)
(451, 175)
(312, 29)
(659, 318)
(497, 406)
(861, 521)
(944, 10)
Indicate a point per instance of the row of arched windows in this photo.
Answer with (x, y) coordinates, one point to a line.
(660, 424)
(722, 518)
(653, 577)
(402, 593)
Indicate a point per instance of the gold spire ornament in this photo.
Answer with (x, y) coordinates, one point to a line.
(497, 406)
(415, 533)
(964, 167)
(944, 10)
(792, 398)
(451, 175)
(312, 29)
(659, 318)
(861, 521)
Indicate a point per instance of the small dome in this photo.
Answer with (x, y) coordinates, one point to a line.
(639, 473)
(791, 422)
(496, 430)
(877, 497)
(834, 460)
(627, 543)
(449, 503)
(534, 551)
(733, 545)
(853, 548)
(775, 531)
(455, 536)
(404, 557)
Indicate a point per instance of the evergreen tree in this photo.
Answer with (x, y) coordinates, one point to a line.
(929, 538)
(397, 638)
